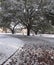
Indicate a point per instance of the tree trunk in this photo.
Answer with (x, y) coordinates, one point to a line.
(28, 31)
(13, 31)
(36, 32)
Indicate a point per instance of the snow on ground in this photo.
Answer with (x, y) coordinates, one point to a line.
(33, 43)
(40, 40)
(46, 35)
(8, 45)
(43, 35)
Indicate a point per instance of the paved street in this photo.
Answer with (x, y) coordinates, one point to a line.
(8, 45)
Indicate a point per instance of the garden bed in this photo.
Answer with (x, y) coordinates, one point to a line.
(33, 55)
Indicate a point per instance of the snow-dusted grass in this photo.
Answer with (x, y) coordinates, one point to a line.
(8, 45)
(46, 35)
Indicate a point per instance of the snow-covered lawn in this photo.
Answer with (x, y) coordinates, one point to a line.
(8, 45)
(46, 35)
